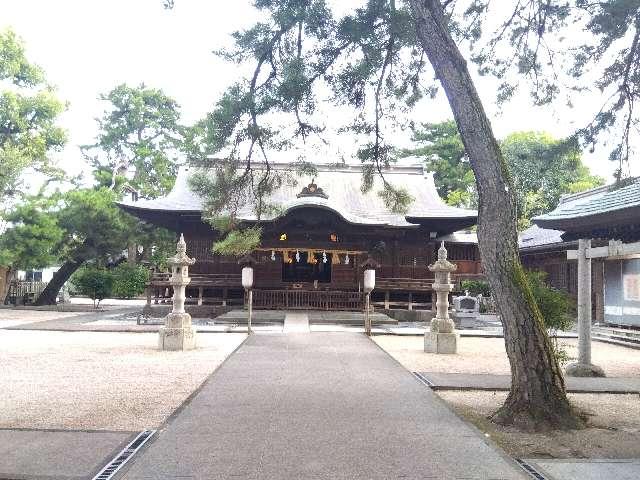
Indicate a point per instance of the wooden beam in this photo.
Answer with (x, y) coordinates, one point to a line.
(616, 250)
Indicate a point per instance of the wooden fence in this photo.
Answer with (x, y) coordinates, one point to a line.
(307, 300)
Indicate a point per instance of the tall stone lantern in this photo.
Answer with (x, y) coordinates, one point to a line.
(442, 337)
(177, 332)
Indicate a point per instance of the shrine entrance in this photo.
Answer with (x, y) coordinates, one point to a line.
(310, 269)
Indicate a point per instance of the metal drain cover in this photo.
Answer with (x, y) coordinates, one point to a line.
(124, 456)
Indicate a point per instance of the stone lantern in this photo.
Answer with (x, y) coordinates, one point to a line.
(442, 337)
(177, 332)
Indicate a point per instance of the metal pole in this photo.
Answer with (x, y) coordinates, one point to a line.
(367, 319)
(250, 311)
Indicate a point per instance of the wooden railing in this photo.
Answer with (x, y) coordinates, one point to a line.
(422, 284)
(200, 280)
(307, 300)
(23, 291)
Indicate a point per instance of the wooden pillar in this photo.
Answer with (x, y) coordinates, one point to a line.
(200, 292)
(410, 301)
(225, 292)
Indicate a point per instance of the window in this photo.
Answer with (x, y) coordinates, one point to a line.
(33, 276)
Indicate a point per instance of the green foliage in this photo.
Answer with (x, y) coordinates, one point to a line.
(138, 142)
(129, 280)
(239, 242)
(537, 47)
(441, 147)
(476, 287)
(542, 168)
(33, 237)
(95, 283)
(555, 305)
(300, 50)
(76, 225)
(28, 114)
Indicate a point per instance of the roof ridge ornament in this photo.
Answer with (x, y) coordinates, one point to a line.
(312, 190)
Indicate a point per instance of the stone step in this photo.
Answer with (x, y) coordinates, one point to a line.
(618, 331)
(616, 336)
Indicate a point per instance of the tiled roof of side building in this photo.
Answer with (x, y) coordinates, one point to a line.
(592, 204)
(535, 237)
(342, 189)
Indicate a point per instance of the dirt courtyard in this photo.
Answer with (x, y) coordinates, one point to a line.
(613, 420)
(101, 381)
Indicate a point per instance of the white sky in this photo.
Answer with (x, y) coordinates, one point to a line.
(87, 47)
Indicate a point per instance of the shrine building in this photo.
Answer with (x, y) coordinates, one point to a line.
(311, 252)
(606, 220)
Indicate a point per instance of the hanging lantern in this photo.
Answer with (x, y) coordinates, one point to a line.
(273, 255)
(324, 256)
(298, 256)
(285, 256)
(311, 258)
(335, 258)
(346, 259)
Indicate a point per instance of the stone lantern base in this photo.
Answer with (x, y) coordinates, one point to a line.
(584, 370)
(435, 342)
(177, 333)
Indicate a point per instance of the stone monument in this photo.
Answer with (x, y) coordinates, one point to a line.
(442, 337)
(466, 311)
(177, 332)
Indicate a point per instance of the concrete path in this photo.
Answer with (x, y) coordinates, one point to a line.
(468, 381)
(296, 323)
(57, 454)
(587, 469)
(318, 406)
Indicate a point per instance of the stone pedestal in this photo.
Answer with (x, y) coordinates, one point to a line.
(177, 332)
(442, 337)
(441, 342)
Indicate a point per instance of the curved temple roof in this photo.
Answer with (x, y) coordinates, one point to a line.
(601, 207)
(341, 186)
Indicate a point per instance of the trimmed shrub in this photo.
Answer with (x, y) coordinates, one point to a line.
(95, 283)
(129, 280)
(476, 287)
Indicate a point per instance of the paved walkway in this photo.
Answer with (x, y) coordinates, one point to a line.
(318, 406)
(296, 323)
(57, 454)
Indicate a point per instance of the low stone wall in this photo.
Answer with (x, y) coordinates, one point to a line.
(409, 315)
(196, 311)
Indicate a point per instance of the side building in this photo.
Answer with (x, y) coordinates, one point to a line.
(609, 217)
(312, 249)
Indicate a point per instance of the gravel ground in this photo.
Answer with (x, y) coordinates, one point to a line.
(10, 318)
(487, 355)
(613, 426)
(614, 420)
(89, 380)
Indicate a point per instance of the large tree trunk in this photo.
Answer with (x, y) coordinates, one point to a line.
(50, 293)
(5, 280)
(537, 399)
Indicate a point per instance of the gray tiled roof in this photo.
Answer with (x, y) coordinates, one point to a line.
(592, 203)
(342, 185)
(534, 236)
